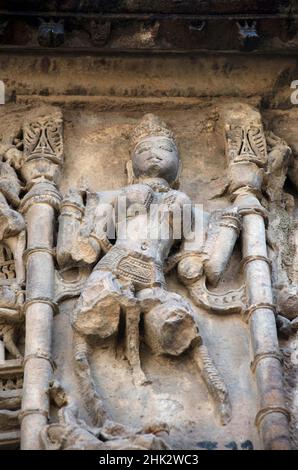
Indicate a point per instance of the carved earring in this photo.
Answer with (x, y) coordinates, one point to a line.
(131, 178)
(176, 183)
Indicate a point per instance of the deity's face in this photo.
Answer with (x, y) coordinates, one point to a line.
(156, 157)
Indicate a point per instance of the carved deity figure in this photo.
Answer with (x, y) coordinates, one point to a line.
(12, 224)
(12, 245)
(72, 433)
(128, 276)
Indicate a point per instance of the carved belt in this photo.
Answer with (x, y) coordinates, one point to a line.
(133, 267)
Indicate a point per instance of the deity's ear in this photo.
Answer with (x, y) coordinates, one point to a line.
(130, 174)
(176, 183)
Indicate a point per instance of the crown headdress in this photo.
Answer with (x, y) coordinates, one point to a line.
(151, 125)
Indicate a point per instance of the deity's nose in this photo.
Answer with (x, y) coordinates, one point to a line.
(155, 156)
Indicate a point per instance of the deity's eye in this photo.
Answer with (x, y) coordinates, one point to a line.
(166, 148)
(143, 149)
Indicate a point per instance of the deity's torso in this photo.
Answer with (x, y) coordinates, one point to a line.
(153, 221)
(148, 224)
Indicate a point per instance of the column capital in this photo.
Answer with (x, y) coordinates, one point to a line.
(43, 145)
(43, 192)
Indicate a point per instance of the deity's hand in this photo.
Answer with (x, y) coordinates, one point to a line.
(11, 221)
(190, 269)
(279, 151)
(14, 157)
(86, 249)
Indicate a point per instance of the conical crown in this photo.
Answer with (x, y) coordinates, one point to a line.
(149, 126)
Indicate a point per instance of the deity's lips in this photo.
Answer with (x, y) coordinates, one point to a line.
(156, 164)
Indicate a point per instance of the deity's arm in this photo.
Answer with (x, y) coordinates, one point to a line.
(220, 243)
(85, 224)
(209, 247)
(12, 222)
(10, 186)
(192, 252)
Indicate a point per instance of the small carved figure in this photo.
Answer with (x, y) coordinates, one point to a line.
(12, 224)
(72, 433)
(51, 33)
(282, 232)
(11, 302)
(12, 246)
(8, 334)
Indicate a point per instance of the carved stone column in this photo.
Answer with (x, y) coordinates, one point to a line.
(247, 158)
(43, 153)
(2, 351)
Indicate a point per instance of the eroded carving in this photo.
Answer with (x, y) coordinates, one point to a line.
(42, 160)
(12, 246)
(128, 278)
(115, 250)
(72, 433)
(248, 160)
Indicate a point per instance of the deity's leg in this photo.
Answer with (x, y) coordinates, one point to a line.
(132, 316)
(17, 244)
(9, 341)
(214, 381)
(92, 402)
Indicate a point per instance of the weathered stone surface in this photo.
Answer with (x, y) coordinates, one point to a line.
(141, 342)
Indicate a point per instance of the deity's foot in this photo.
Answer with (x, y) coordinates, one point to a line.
(139, 378)
(224, 411)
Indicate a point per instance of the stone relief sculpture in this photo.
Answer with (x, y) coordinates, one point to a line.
(42, 160)
(111, 252)
(248, 161)
(12, 240)
(282, 249)
(281, 235)
(12, 279)
(128, 277)
(73, 433)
